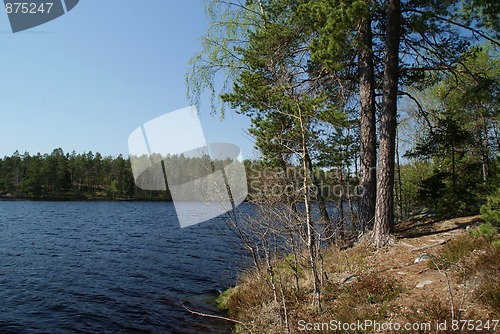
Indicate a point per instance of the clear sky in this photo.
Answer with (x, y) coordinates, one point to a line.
(86, 80)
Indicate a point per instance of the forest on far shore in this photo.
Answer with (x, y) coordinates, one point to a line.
(92, 176)
(60, 176)
(452, 189)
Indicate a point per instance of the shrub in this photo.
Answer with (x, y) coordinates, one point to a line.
(489, 288)
(484, 230)
(457, 249)
(376, 288)
(478, 255)
(491, 210)
(489, 293)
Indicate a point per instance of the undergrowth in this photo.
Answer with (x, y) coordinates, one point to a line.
(353, 290)
(475, 257)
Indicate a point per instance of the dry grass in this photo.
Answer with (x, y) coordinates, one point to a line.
(367, 295)
(360, 283)
(486, 265)
(474, 259)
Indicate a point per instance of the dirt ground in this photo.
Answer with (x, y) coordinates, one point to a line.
(407, 260)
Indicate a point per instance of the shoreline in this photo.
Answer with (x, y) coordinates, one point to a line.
(78, 199)
(389, 286)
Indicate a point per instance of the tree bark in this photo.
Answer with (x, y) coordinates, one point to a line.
(384, 216)
(368, 155)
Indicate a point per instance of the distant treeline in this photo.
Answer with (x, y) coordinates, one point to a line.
(91, 176)
(75, 176)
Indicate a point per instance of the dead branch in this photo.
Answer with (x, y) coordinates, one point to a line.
(217, 317)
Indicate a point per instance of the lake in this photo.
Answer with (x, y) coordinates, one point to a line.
(110, 267)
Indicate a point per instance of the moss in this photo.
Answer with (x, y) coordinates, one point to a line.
(223, 299)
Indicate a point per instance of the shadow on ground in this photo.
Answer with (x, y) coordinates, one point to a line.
(431, 224)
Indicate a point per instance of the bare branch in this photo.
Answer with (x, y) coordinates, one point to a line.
(216, 317)
(458, 24)
(424, 113)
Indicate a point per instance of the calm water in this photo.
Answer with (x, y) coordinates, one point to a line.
(109, 267)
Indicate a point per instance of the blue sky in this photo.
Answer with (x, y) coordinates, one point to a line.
(86, 80)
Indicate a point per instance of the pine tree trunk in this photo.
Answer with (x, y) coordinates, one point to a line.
(384, 216)
(367, 127)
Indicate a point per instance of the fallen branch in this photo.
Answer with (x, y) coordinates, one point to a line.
(216, 317)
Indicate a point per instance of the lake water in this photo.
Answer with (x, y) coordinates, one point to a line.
(109, 267)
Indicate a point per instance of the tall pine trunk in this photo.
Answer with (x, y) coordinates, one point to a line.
(368, 156)
(384, 216)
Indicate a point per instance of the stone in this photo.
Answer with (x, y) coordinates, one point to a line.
(423, 283)
(422, 258)
(348, 279)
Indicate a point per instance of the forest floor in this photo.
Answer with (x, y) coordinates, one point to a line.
(420, 241)
(430, 265)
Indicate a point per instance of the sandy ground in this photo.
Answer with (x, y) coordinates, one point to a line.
(421, 238)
